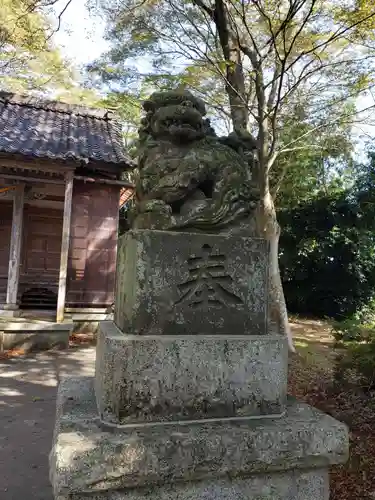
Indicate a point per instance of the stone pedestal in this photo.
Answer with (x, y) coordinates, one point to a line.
(189, 395)
(9, 310)
(193, 284)
(262, 458)
(144, 378)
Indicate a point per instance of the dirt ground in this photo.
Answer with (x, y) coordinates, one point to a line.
(27, 415)
(311, 379)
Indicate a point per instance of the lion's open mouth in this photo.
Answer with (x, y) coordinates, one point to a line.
(185, 118)
(176, 125)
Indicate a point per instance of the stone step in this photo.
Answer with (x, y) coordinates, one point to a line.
(21, 325)
(30, 336)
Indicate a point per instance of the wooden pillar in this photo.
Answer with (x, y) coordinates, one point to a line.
(65, 247)
(15, 248)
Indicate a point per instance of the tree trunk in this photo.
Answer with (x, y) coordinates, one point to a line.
(269, 229)
(235, 79)
(267, 225)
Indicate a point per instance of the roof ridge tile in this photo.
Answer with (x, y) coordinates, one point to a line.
(55, 106)
(38, 128)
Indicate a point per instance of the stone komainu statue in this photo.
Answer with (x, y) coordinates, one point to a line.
(188, 178)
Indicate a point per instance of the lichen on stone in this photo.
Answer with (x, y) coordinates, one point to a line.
(188, 178)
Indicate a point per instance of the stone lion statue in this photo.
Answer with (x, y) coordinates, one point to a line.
(188, 178)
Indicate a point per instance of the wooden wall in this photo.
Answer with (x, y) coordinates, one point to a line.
(41, 245)
(6, 212)
(40, 251)
(93, 245)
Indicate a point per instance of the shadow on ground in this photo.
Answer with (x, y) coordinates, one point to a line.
(27, 415)
(314, 342)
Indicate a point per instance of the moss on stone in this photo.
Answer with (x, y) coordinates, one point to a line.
(179, 156)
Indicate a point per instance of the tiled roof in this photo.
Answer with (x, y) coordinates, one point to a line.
(40, 128)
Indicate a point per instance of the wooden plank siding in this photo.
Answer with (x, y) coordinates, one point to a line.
(93, 245)
(41, 253)
(41, 242)
(6, 212)
(92, 253)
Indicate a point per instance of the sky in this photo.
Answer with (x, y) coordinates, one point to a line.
(81, 35)
(80, 39)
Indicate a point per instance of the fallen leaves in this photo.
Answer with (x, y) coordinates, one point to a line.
(79, 339)
(355, 479)
(12, 353)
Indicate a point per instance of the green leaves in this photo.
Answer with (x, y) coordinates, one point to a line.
(327, 249)
(29, 62)
(291, 72)
(22, 26)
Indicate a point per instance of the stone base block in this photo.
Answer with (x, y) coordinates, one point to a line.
(297, 485)
(217, 285)
(28, 337)
(276, 459)
(9, 313)
(142, 378)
